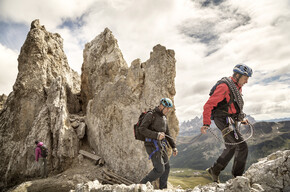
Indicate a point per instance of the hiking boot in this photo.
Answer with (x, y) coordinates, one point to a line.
(214, 177)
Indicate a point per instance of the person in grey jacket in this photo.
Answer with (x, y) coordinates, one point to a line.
(155, 129)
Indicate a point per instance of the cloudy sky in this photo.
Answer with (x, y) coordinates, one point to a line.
(208, 36)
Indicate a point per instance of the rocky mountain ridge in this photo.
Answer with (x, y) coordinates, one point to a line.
(50, 102)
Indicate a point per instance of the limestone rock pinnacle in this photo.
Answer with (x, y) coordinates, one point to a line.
(38, 108)
(114, 96)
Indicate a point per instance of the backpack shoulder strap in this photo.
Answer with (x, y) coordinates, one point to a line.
(223, 80)
(153, 114)
(153, 117)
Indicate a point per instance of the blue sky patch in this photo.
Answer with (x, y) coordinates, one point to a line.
(72, 24)
(13, 34)
(207, 3)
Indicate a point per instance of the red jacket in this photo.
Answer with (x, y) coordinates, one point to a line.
(222, 91)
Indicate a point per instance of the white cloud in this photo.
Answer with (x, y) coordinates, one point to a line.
(208, 41)
(271, 101)
(8, 66)
(50, 12)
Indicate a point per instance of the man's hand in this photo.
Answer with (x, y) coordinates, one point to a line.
(175, 151)
(161, 135)
(203, 129)
(245, 122)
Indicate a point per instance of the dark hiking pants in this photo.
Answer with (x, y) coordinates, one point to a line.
(240, 151)
(43, 163)
(161, 168)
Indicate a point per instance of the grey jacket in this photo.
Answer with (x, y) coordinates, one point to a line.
(153, 123)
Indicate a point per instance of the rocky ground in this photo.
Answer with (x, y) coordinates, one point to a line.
(79, 173)
(270, 174)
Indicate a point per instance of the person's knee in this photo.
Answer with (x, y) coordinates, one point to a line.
(160, 170)
(167, 167)
(243, 147)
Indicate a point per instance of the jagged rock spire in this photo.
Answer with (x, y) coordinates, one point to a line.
(38, 108)
(114, 95)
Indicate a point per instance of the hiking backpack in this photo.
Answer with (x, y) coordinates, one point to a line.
(138, 135)
(44, 151)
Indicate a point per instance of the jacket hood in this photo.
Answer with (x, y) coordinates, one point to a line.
(39, 144)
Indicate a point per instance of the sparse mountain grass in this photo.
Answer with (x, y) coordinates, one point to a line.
(188, 178)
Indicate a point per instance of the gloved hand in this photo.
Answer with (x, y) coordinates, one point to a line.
(175, 151)
(161, 135)
(245, 122)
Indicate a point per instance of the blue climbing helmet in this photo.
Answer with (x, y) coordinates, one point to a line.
(243, 69)
(166, 102)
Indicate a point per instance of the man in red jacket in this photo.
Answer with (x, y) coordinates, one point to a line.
(225, 107)
(42, 160)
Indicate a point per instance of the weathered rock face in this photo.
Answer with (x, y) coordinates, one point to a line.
(115, 96)
(3, 99)
(272, 173)
(103, 62)
(45, 91)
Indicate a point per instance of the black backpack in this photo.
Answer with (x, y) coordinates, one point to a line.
(138, 135)
(44, 151)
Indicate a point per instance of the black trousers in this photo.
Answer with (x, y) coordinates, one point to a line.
(161, 167)
(240, 151)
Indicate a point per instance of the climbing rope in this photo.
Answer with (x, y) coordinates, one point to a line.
(191, 141)
(237, 143)
(218, 138)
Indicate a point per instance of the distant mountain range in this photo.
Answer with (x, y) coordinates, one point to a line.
(192, 127)
(200, 153)
(277, 120)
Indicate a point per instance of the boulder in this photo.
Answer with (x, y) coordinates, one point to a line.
(81, 130)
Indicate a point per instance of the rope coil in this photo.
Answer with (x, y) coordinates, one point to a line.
(226, 143)
(218, 138)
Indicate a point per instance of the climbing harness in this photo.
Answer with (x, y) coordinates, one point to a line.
(156, 143)
(232, 126)
(228, 131)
